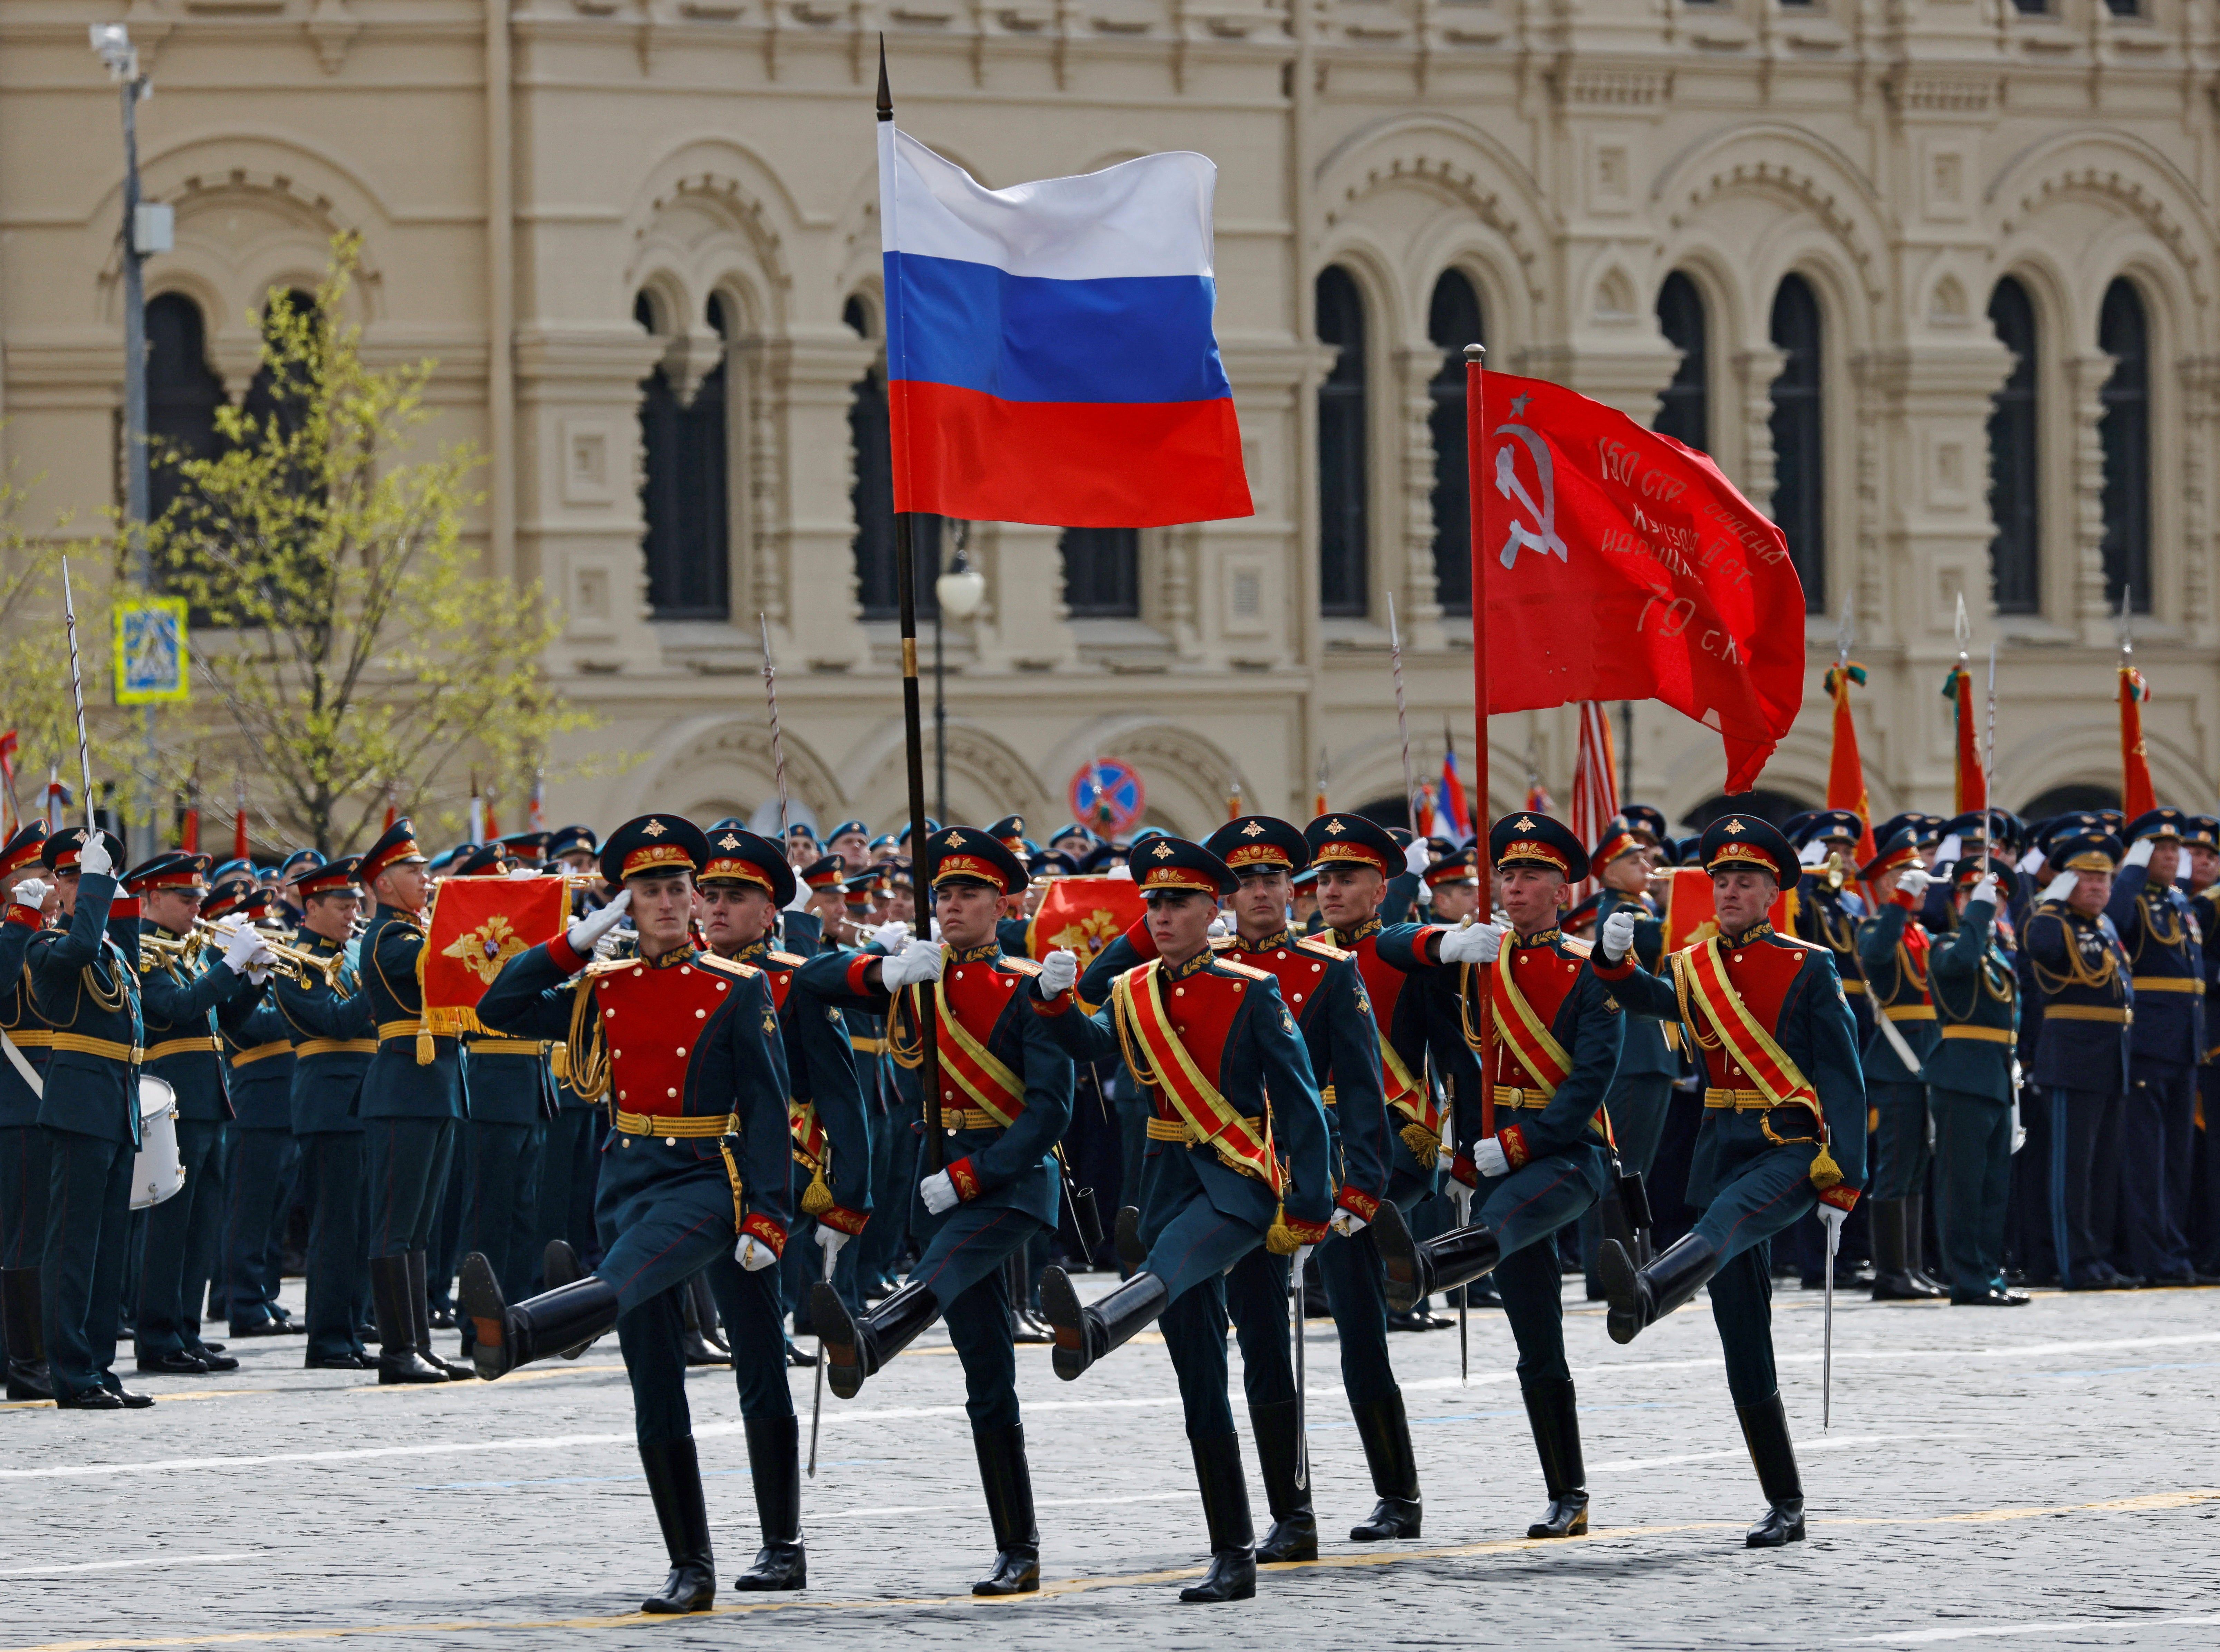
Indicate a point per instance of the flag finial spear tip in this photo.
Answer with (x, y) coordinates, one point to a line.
(885, 98)
(1964, 627)
(1475, 351)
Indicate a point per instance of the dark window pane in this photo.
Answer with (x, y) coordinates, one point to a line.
(873, 499)
(2123, 430)
(1453, 321)
(685, 493)
(2015, 463)
(1344, 543)
(182, 395)
(1684, 412)
(1102, 573)
(1799, 451)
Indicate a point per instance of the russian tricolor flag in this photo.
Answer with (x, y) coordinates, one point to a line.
(1049, 347)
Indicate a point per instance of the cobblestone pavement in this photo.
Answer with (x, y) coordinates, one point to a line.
(2047, 1476)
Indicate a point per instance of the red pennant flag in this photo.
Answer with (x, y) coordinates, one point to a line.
(189, 829)
(392, 807)
(1969, 789)
(2137, 796)
(1846, 771)
(239, 845)
(1625, 566)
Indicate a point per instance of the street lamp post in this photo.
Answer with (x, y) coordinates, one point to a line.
(958, 592)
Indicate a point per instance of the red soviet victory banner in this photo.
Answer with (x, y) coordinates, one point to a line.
(478, 924)
(1084, 914)
(1622, 565)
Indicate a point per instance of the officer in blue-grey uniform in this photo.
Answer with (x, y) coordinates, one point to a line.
(2088, 1009)
(686, 1047)
(2200, 848)
(1783, 1129)
(1969, 1085)
(266, 1155)
(24, 1167)
(2158, 1126)
(1892, 951)
(334, 1031)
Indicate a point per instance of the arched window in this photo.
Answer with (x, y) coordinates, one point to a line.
(684, 496)
(182, 396)
(1684, 411)
(1344, 541)
(1453, 320)
(1799, 477)
(2124, 428)
(873, 497)
(2015, 459)
(1102, 573)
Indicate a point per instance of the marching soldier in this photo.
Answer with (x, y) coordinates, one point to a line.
(1969, 1079)
(85, 982)
(687, 1046)
(1783, 1130)
(335, 1032)
(411, 1103)
(1892, 949)
(1553, 1048)
(178, 1000)
(257, 1050)
(2081, 1057)
(2158, 1123)
(23, 1167)
(1006, 1101)
(1641, 1089)
(1213, 1039)
(2200, 847)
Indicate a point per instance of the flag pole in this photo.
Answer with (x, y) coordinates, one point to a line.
(1476, 495)
(1402, 722)
(936, 1141)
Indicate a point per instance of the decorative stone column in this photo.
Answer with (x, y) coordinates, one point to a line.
(2086, 374)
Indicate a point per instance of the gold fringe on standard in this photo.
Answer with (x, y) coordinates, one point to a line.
(1424, 1146)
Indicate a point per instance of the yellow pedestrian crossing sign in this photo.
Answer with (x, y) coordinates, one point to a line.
(152, 651)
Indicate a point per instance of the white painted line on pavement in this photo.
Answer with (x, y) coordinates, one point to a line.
(135, 1564)
(2064, 1626)
(1825, 1442)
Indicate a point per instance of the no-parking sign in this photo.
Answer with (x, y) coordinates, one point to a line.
(1107, 795)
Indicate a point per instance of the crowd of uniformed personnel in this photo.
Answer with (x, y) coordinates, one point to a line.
(1335, 1061)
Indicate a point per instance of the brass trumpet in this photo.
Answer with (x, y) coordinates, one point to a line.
(295, 964)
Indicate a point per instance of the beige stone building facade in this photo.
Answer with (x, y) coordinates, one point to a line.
(1934, 277)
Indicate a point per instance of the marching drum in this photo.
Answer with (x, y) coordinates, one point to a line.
(158, 1172)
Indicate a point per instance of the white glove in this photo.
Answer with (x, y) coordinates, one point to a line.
(2139, 852)
(2059, 886)
(244, 946)
(1472, 944)
(1121, 870)
(1618, 935)
(1950, 849)
(518, 873)
(594, 924)
(1986, 891)
(1416, 857)
(938, 1192)
(753, 1255)
(889, 938)
(917, 961)
(1220, 926)
(1347, 1223)
(830, 1239)
(1811, 853)
(1913, 882)
(1489, 1159)
(1461, 1196)
(1834, 1216)
(1059, 973)
(31, 892)
(2030, 862)
(92, 858)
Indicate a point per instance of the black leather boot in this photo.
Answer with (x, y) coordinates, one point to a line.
(1915, 1249)
(1294, 1536)
(420, 1304)
(398, 1359)
(1640, 1297)
(550, 1322)
(25, 1333)
(1557, 1424)
(1386, 1433)
(1009, 1483)
(698, 1318)
(1084, 1335)
(1417, 1268)
(1892, 1280)
(775, 1465)
(1232, 1574)
(1131, 1253)
(1765, 1430)
(856, 1348)
(559, 1265)
(673, 1481)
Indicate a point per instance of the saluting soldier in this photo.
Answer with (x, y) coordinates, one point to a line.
(686, 1046)
(1217, 1045)
(1553, 1046)
(1005, 1101)
(84, 981)
(258, 1049)
(2158, 1123)
(23, 1167)
(2081, 1056)
(1970, 1084)
(411, 1106)
(178, 995)
(2200, 848)
(1893, 948)
(1783, 1129)
(334, 1031)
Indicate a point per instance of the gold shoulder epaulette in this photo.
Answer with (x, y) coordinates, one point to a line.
(1793, 940)
(786, 960)
(607, 966)
(1324, 949)
(1224, 943)
(1577, 947)
(1244, 969)
(730, 966)
(1017, 966)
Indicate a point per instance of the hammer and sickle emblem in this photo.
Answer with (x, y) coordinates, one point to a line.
(1542, 535)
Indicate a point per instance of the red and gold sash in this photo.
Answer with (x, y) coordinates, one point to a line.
(1705, 991)
(1524, 1035)
(1243, 1142)
(971, 1076)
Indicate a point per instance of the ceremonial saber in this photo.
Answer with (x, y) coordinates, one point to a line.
(1827, 1340)
(1989, 768)
(777, 746)
(817, 1396)
(77, 692)
(1402, 722)
(1302, 1407)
